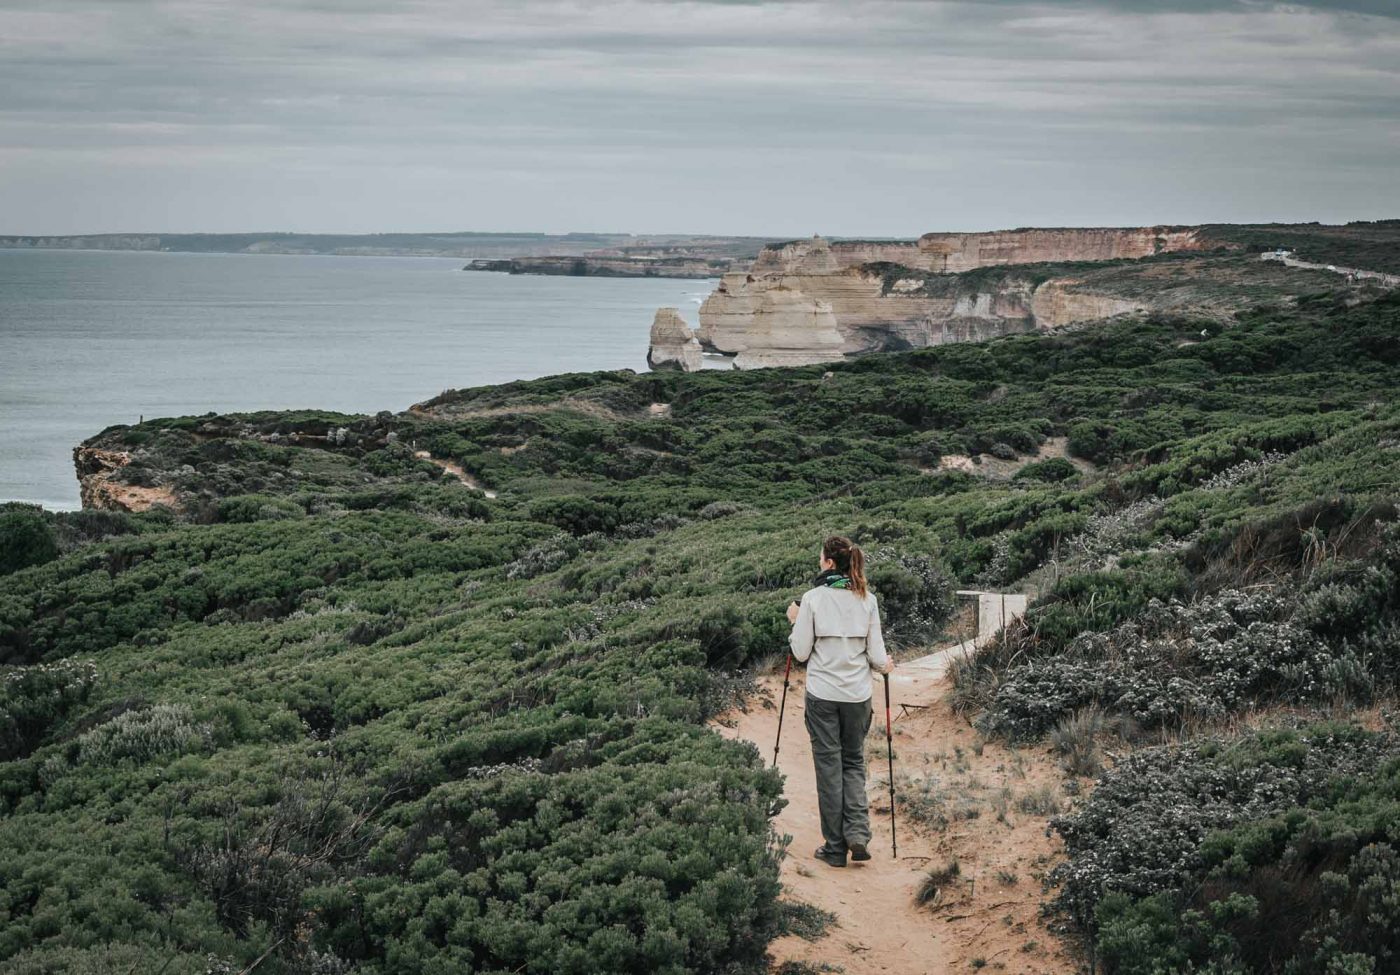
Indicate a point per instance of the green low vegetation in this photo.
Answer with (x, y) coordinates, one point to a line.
(343, 713)
(1370, 245)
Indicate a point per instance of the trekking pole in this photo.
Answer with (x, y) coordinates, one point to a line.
(781, 708)
(889, 750)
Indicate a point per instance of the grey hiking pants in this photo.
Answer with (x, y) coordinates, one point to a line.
(837, 730)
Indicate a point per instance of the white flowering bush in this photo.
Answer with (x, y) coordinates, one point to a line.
(1141, 830)
(1000, 566)
(543, 557)
(720, 509)
(1177, 662)
(145, 734)
(1108, 534)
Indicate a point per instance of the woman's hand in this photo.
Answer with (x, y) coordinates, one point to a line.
(792, 612)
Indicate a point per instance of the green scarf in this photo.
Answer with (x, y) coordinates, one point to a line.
(833, 579)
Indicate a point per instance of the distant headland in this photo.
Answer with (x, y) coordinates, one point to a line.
(465, 244)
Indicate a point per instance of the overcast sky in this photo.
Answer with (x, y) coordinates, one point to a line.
(783, 119)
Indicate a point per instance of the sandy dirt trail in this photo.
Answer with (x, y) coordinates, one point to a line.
(455, 470)
(968, 796)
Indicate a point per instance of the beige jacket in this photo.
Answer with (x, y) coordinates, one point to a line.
(838, 635)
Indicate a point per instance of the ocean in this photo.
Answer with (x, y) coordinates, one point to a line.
(93, 338)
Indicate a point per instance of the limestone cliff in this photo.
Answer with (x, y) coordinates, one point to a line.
(871, 310)
(673, 344)
(950, 253)
(99, 485)
(899, 294)
(1058, 303)
(791, 329)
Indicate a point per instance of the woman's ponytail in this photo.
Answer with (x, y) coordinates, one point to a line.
(849, 559)
(857, 571)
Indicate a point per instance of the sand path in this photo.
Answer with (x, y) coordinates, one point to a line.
(958, 800)
(455, 470)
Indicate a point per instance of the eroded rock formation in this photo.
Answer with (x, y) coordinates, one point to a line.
(97, 488)
(673, 344)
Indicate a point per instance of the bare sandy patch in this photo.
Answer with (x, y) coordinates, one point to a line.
(997, 469)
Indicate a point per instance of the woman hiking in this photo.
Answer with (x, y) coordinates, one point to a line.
(836, 631)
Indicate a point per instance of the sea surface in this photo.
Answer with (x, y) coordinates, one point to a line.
(92, 338)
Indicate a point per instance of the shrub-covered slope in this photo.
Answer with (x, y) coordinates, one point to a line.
(346, 712)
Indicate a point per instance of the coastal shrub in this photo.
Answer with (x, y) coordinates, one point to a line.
(396, 459)
(257, 507)
(548, 555)
(914, 592)
(576, 515)
(144, 734)
(719, 509)
(1022, 437)
(1329, 865)
(630, 863)
(74, 529)
(26, 538)
(1144, 828)
(1089, 440)
(1357, 605)
(1179, 662)
(33, 699)
(1329, 633)
(1092, 601)
(1052, 470)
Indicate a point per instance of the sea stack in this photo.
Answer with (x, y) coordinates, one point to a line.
(673, 344)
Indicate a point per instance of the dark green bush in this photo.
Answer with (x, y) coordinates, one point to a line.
(1051, 471)
(26, 538)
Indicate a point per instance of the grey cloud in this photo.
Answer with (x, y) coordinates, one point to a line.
(891, 117)
(1378, 8)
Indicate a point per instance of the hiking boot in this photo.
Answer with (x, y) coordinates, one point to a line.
(859, 852)
(832, 858)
